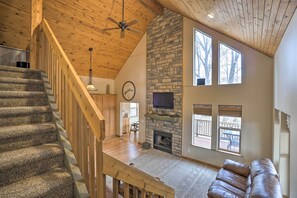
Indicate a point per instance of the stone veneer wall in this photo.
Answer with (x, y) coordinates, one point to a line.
(164, 72)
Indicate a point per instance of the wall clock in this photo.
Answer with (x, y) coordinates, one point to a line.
(128, 90)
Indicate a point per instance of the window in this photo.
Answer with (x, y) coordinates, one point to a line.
(133, 109)
(201, 126)
(202, 59)
(229, 66)
(230, 128)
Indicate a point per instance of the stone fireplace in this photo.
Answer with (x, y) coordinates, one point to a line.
(162, 141)
(164, 73)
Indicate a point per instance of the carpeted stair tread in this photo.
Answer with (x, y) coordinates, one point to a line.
(26, 155)
(56, 183)
(24, 130)
(22, 98)
(20, 81)
(21, 136)
(22, 94)
(15, 72)
(14, 111)
(20, 84)
(18, 69)
(22, 163)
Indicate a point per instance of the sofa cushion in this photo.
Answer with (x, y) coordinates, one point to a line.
(233, 179)
(265, 186)
(219, 192)
(237, 167)
(224, 190)
(263, 166)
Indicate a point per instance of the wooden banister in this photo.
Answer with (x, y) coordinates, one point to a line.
(123, 172)
(88, 106)
(84, 124)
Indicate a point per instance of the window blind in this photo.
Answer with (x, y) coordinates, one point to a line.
(202, 109)
(230, 110)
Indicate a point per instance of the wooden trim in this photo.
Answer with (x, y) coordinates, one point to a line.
(201, 162)
(153, 5)
(135, 177)
(36, 18)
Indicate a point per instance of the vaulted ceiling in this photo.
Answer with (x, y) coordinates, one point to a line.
(259, 24)
(78, 25)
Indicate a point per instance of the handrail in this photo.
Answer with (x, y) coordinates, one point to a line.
(90, 110)
(135, 177)
(84, 124)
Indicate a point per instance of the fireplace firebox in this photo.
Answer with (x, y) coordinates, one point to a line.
(163, 141)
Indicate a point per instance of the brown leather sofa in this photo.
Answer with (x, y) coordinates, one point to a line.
(259, 180)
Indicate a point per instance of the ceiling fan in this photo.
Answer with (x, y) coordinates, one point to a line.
(122, 25)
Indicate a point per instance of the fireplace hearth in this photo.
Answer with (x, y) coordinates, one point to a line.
(163, 141)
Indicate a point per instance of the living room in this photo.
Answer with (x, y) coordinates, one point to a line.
(261, 96)
(254, 93)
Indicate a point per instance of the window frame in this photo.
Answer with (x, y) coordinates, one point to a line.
(219, 63)
(193, 58)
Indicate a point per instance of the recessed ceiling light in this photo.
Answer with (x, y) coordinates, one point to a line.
(210, 15)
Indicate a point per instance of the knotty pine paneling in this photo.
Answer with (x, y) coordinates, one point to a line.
(259, 24)
(78, 25)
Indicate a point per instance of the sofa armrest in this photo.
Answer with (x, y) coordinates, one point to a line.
(237, 167)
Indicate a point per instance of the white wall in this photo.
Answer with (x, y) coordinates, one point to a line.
(255, 94)
(285, 90)
(134, 70)
(100, 84)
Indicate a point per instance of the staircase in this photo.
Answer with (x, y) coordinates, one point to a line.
(31, 158)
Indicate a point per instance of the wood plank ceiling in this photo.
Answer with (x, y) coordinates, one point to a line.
(259, 24)
(78, 25)
(15, 23)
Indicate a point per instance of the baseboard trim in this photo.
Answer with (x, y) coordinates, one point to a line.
(201, 162)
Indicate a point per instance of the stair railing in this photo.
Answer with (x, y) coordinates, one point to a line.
(82, 120)
(84, 124)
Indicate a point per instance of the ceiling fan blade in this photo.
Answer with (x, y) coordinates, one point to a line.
(135, 31)
(132, 23)
(112, 20)
(123, 34)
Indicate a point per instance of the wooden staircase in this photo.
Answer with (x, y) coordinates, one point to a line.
(84, 124)
(31, 158)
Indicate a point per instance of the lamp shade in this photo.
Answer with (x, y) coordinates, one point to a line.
(91, 87)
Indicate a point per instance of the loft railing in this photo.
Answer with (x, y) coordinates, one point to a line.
(84, 124)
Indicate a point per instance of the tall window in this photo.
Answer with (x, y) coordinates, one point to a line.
(230, 128)
(229, 66)
(202, 59)
(201, 126)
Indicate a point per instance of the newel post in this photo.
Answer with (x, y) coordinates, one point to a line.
(36, 18)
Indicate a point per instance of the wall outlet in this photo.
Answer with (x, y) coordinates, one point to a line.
(189, 150)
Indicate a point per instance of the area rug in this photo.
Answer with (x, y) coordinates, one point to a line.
(189, 179)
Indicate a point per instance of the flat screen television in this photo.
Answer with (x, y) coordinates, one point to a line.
(163, 100)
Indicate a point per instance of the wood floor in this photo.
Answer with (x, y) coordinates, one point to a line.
(123, 148)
